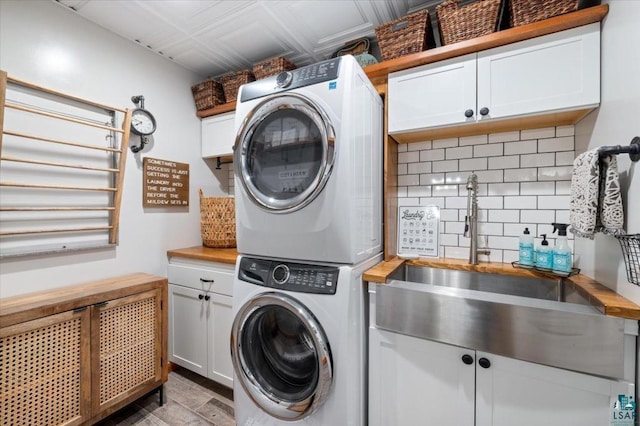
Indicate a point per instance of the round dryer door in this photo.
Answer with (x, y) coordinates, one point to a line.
(284, 152)
(281, 356)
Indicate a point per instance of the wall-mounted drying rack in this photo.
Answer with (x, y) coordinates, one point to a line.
(633, 149)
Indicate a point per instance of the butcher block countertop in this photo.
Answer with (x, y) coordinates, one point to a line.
(220, 255)
(601, 297)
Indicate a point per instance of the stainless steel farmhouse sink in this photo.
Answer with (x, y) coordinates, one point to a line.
(533, 319)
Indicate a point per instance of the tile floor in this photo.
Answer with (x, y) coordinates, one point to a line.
(190, 399)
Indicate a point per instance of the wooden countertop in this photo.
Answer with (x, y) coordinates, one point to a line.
(220, 255)
(601, 297)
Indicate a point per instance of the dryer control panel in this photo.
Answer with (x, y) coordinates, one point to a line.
(289, 276)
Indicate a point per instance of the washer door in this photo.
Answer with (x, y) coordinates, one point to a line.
(281, 356)
(284, 152)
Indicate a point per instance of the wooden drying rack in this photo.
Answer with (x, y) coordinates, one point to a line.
(117, 172)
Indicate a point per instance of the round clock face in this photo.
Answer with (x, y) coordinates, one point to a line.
(142, 122)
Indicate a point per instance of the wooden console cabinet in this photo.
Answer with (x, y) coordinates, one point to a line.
(77, 354)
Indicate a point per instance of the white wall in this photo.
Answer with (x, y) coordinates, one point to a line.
(49, 45)
(616, 122)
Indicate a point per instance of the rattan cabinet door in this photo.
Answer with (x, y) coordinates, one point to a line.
(127, 349)
(45, 371)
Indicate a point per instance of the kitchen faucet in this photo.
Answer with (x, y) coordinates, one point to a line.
(471, 219)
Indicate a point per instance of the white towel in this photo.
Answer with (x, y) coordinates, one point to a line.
(596, 202)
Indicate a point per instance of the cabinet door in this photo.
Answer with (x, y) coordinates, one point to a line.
(220, 320)
(432, 95)
(188, 337)
(45, 371)
(418, 382)
(512, 392)
(218, 135)
(126, 338)
(555, 72)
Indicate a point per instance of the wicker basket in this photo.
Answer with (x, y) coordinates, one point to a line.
(272, 67)
(457, 23)
(217, 221)
(207, 94)
(232, 81)
(410, 34)
(527, 11)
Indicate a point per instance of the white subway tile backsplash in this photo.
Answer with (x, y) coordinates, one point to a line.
(521, 175)
(402, 169)
(408, 180)
(504, 216)
(504, 189)
(565, 158)
(433, 201)
(410, 201)
(432, 155)
(418, 146)
(537, 188)
(473, 140)
(444, 143)
(445, 190)
(504, 137)
(490, 150)
(538, 216)
(482, 215)
(445, 166)
(562, 216)
(449, 215)
(517, 229)
(563, 187)
(418, 168)
(458, 152)
(490, 176)
(556, 144)
(509, 256)
(553, 201)
(454, 228)
(432, 179)
(507, 243)
(523, 147)
(482, 190)
(490, 202)
(508, 162)
(555, 173)
(471, 164)
(419, 191)
(565, 130)
(520, 202)
(402, 147)
(456, 203)
(456, 252)
(490, 228)
(538, 160)
(408, 157)
(547, 132)
(449, 239)
(402, 192)
(456, 177)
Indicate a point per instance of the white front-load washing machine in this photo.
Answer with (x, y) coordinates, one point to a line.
(298, 343)
(308, 164)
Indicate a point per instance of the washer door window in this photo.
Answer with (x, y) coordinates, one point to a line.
(284, 153)
(281, 356)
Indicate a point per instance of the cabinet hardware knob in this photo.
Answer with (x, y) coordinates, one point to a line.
(202, 280)
(201, 296)
(484, 363)
(467, 359)
(468, 113)
(207, 297)
(484, 111)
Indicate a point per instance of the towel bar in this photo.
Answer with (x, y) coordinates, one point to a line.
(633, 149)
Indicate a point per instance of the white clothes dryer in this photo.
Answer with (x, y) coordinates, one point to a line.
(298, 343)
(308, 165)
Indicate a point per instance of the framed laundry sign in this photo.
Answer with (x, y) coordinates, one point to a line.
(418, 231)
(165, 183)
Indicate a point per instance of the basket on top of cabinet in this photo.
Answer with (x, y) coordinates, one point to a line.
(527, 11)
(458, 22)
(207, 94)
(410, 34)
(271, 67)
(232, 81)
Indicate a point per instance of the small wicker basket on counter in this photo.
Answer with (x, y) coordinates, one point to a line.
(527, 11)
(232, 81)
(217, 221)
(458, 22)
(272, 67)
(410, 34)
(207, 94)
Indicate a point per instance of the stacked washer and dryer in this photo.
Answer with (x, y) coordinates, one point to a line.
(308, 170)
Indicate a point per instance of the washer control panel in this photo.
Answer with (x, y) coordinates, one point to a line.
(289, 276)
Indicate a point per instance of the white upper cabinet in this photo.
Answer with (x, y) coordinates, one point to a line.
(554, 73)
(218, 135)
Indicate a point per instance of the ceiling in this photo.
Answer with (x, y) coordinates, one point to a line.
(212, 37)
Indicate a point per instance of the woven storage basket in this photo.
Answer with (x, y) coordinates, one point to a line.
(217, 221)
(207, 94)
(410, 34)
(272, 67)
(527, 11)
(458, 23)
(232, 81)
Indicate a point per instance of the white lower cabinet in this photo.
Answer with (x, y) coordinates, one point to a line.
(200, 318)
(421, 382)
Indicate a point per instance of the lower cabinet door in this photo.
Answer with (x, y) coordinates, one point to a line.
(188, 335)
(419, 382)
(220, 320)
(512, 392)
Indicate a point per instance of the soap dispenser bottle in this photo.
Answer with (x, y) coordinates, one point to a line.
(526, 248)
(544, 254)
(562, 252)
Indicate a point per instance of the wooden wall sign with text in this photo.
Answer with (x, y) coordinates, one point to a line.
(165, 183)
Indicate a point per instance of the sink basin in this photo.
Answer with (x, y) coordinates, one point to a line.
(539, 320)
(531, 287)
